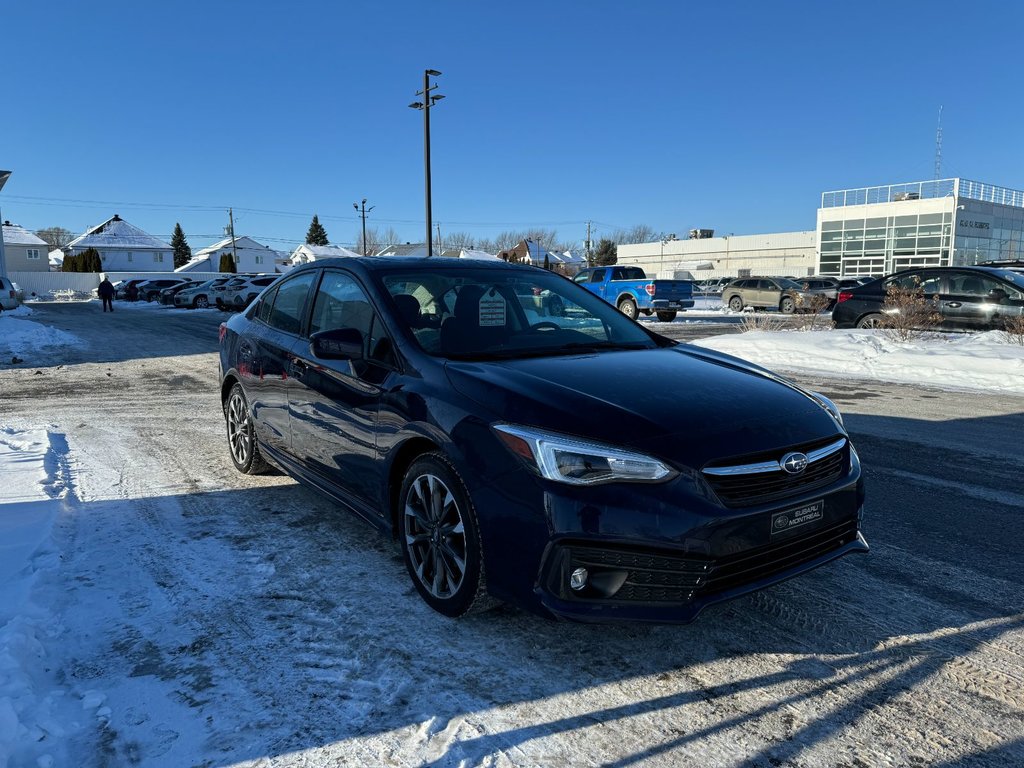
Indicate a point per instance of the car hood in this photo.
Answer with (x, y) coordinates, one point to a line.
(687, 404)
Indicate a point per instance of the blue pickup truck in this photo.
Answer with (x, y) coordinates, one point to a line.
(629, 289)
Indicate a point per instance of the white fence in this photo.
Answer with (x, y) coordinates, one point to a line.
(46, 284)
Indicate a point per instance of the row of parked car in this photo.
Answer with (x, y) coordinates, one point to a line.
(229, 293)
(786, 294)
(978, 297)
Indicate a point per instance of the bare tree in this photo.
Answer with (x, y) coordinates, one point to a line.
(55, 237)
(459, 240)
(640, 233)
(376, 239)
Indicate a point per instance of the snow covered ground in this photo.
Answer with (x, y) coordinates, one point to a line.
(982, 361)
(20, 336)
(157, 608)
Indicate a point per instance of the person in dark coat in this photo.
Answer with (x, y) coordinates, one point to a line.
(133, 292)
(106, 292)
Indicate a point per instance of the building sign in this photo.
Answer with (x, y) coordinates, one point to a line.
(973, 224)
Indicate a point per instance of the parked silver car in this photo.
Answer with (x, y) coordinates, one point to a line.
(10, 294)
(198, 296)
(787, 296)
(242, 296)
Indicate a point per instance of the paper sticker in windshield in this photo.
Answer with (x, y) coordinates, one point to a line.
(492, 311)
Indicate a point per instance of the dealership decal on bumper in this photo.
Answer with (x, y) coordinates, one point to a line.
(793, 518)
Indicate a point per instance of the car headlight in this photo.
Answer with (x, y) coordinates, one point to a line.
(580, 462)
(829, 406)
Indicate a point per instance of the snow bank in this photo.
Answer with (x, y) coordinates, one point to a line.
(32, 487)
(20, 337)
(980, 361)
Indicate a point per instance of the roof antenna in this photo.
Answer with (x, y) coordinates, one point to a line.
(938, 147)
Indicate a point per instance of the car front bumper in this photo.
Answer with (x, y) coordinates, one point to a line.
(655, 552)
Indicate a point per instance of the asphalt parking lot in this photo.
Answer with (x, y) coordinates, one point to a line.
(911, 655)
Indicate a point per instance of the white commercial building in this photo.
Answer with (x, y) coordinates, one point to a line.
(779, 253)
(878, 230)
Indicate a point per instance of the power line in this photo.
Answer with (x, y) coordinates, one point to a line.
(82, 203)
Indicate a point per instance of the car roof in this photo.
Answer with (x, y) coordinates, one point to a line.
(371, 264)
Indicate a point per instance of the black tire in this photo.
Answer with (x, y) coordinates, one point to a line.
(200, 302)
(736, 303)
(874, 320)
(667, 316)
(787, 306)
(628, 307)
(152, 296)
(243, 446)
(440, 537)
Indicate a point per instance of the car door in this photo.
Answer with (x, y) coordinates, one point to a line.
(264, 357)
(767, 294)
(333, 404)
(597, 284)
(970, 304)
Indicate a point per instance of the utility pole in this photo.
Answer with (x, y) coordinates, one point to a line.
(234, 251)
(365, 211)
(440, 245)
(587, 243)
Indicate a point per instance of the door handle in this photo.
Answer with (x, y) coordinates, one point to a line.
(953, 304)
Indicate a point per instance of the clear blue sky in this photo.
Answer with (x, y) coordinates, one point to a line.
(732, 115)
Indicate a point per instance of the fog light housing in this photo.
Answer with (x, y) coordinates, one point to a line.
(578, 579)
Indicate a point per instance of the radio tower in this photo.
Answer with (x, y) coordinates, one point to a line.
(938, 147)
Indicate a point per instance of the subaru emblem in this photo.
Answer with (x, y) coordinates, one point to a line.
(793, 463)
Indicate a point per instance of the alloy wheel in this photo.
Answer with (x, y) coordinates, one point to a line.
(435, 536)
(239, 429)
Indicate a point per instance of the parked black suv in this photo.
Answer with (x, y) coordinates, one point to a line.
(967, 298)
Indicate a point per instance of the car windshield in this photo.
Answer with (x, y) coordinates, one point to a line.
(501, 313)
(1014, 277)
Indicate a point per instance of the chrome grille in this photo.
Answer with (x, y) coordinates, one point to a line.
(758, 479)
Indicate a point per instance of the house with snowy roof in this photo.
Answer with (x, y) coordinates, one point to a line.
(405, 249)
(25, 251)
(306, 254)
(252, 256)
(124, 247)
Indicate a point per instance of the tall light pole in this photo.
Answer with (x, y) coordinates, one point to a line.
(4, 176)
(428, 101)
(365, 211)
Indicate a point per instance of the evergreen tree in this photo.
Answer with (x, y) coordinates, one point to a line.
(227, 264)
(69, 263)
(91, 261)
(182, 251)
(316, 235)
(605, 254)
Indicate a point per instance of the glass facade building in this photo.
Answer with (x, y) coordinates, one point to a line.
(878, 230)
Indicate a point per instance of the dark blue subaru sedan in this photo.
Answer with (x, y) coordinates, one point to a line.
(524, 441)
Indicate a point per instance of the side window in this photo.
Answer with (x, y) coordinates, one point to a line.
(597, 276)
(289, 305)
(341, 303)
(582, 277)
(266, 306)
(618, 274)
(931, 284)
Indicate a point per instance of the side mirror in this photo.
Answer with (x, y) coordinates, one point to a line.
(337, 344)
(998, 295)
